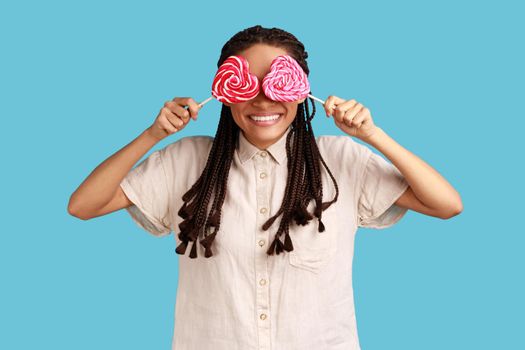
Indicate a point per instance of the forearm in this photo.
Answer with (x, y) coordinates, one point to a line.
(427, 184)
(100, 186)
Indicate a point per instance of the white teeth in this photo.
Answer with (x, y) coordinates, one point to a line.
(265, 118)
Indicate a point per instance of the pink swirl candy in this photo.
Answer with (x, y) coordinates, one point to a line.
(286, 82)
(233, 82)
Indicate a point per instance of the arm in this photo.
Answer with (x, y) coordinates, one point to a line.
(100, 192)
(429, 193)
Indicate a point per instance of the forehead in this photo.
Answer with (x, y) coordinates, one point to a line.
(260, 57)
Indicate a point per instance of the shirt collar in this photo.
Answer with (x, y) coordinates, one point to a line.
(277, 150)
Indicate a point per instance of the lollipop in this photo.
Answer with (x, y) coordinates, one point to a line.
(233, 82)
(286, 82)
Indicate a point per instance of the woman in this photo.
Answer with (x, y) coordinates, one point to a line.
(267, 277)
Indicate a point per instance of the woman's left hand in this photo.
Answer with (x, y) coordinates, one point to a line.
(351, 117)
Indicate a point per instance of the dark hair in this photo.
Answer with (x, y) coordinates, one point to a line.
(304, 160)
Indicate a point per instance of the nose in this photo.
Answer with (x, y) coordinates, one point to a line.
(262, 100)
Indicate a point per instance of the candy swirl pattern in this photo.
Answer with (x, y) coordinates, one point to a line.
(287, 81)
(233, 82)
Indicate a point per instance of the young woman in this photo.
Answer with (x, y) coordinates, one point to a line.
(267, 211)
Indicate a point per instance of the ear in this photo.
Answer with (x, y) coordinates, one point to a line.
(301, 101)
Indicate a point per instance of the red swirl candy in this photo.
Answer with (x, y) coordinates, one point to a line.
(286, 82)
(233, 82)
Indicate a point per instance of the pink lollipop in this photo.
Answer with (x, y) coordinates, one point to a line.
(286, 82)
(233, 82)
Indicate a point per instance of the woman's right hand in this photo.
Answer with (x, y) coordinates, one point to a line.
(173, 117)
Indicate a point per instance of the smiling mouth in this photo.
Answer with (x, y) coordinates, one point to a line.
(265, 118)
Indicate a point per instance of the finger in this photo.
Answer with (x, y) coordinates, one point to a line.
(328, 103)
(172, 118)
(166, 111)
(352, 112)
(331, 102)
(190, 105)
(176, 121)
(344, 107)
(347, 120)
(358, 119)
(338, 112)
(177, 106)
(348, 116)
(182, 113)
(174, 107)
(193, 108)
(168, 126)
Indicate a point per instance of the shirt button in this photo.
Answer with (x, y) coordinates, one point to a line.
(263, 210)
(262, 175)
(264, 154)
(262, 282)
(261, 242)
(262, 316)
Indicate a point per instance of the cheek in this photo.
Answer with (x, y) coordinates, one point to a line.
(238, 117)
(292, 110)
(237, 109)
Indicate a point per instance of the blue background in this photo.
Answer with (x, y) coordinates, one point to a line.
(80, 80)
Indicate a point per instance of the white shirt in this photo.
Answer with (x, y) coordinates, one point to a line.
(242, 298)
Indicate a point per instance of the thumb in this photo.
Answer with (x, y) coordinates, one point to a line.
(331, 102)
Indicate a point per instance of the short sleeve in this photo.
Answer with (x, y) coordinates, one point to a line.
(382, 184)
(146, 186)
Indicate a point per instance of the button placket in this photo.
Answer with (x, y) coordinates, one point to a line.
(262, 169)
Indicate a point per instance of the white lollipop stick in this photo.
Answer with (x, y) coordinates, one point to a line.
(201, 103)
(315, 98)
(309, 95)
(205, 101)
(318, 99)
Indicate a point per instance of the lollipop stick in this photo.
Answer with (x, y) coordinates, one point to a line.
(318, 99)
(315, 98)
(201, 103)
(205, 101)
(309, 95)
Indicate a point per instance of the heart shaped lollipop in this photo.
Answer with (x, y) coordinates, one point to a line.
(233, 82)
(286, 82)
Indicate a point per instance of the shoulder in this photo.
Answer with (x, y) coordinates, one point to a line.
(188, 149)
(190, 144)
(342, 148)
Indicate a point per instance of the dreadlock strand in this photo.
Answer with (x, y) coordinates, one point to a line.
(289, 194)
(231, 133)
(190, 228)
